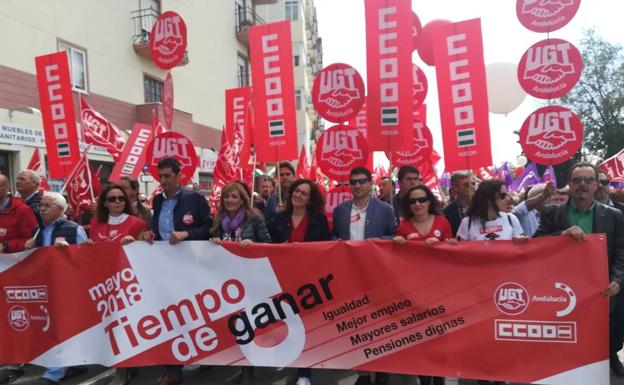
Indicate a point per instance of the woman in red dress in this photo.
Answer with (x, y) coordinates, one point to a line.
(113, 220)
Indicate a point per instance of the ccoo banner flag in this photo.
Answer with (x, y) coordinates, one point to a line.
(388, 62)
(530, 313)
(57, 111)
(458, 50)
(132, 157)
(275, 133)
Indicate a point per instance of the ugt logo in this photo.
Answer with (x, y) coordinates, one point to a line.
(511, 298)
(550, 130)
(549, 63)
(545, 8)
(338, 88)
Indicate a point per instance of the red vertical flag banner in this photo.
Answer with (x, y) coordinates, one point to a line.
(132, 158)
(389, 61)
(458, 52)
(275, 133)
(236, 121)
(57, 110)
(303, 167)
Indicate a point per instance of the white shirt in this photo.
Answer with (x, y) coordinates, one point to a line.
(504, 227)
(357, 223)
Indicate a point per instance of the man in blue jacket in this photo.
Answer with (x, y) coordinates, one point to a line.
(179, 215)
(364, 217)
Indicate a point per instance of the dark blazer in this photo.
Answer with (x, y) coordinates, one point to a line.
(280, 228)
(189, 203)
(554, 220)
(380, 220)
(452, 212)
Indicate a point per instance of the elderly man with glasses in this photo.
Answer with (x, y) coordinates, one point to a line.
(56, 231)
(581, 215)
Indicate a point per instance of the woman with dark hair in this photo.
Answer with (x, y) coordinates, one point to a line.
(422, 218)
(236, 221)
(302, 221)
(486, 219)
(113, 220)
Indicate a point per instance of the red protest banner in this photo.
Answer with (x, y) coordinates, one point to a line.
(168, 40)
(275, 135)
(614, 167)
(132, 157)
(167, 101)
(172, 145)
(550, 68)
(546, 16)
(360, 121)
(462, 93)
(98, 131)
(421, 149)
(551, 135)
(340, 149)
(237, 102)
(389, 61)
(534, 310)
(338, 92)
(57, 111)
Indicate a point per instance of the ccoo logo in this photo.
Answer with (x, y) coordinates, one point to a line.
(511, 298)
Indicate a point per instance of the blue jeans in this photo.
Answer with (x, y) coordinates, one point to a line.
(54, 374)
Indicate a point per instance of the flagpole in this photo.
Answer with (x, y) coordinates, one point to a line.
(89, 173)
(253, 170)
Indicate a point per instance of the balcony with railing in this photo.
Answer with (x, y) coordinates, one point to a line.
(242, 78)
(144, 19)
(245, 17)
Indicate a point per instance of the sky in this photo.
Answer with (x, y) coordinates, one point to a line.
(342, 28)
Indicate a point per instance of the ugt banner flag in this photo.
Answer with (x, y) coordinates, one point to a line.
(530, 313)
(270, 46)
(57, 111)
(388, 64)
(462, 93)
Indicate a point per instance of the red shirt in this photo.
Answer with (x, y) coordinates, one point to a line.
(100, 232)
(440, 229)
(297, 234)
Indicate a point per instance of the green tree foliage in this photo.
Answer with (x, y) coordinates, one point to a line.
(598, 98)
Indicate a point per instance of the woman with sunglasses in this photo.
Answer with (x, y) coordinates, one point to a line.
(113, 220)
(422, 218)
(487, 219)
(302, 221)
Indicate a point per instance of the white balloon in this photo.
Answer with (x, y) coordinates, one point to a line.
(522, 161)
(504, 91)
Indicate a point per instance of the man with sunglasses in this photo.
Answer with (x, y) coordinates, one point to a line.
(602, 194)
(362, 218)
(463, 188)
(582, 215)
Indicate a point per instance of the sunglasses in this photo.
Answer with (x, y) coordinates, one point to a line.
(468, 184)
(116, 198)
(354, 182)
(604, 182)
(586, 180)
(502, 196)
(421, 200)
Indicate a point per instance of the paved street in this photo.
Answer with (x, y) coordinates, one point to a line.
(195, 375)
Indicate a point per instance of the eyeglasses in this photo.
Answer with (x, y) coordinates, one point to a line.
(502, 195)
(468, 184)
(44, 206)
(586, 180)
(116, 198)
(421, 200)
(354, 182)
(604, 182)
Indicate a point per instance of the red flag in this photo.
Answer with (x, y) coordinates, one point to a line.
(485, 173)
(57, 111)
(458, 49)
(36, 165)
(275, 133)
(132, 158)
(236, 123)
(614, 167)
(98, 131)
(157, 127)
(225, 170)
(80, 185)
(389, 59)
(430, 179)
(303, 168)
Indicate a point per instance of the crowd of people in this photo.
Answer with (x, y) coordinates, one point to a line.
(293, 211)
